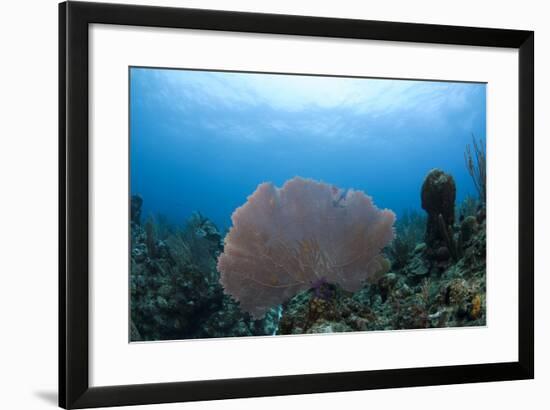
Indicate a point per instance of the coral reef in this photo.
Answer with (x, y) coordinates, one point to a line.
(468, 207)
(416, 296)
(308, 258)
(410, 229)
(174, 285)
(284, 239)
(438, 283)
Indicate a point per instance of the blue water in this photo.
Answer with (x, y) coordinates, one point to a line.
(203, 141)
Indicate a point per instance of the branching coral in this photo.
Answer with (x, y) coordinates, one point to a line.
(194, 246)
(284, 239)
(476, 163)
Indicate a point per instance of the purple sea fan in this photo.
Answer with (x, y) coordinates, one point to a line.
(283, 239)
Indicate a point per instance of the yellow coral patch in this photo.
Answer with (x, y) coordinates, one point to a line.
(475, 312)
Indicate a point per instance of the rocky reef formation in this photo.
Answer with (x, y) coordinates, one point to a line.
(174, 284)
(417, 296)
(436, 283)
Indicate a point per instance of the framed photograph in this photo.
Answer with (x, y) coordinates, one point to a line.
(258, 204)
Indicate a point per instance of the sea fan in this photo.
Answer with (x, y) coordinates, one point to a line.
(284, 239)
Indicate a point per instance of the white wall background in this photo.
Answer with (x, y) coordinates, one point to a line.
(28, 202)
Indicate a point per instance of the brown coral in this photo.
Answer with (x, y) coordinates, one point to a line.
(283, 239)
(438, 198)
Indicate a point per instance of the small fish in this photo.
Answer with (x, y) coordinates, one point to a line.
(340, 195)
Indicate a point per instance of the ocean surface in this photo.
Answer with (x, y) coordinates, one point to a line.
(203, 141)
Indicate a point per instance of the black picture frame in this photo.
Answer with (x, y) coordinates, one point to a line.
(74, 387)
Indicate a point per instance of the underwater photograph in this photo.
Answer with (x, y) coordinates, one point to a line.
(266, 204)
